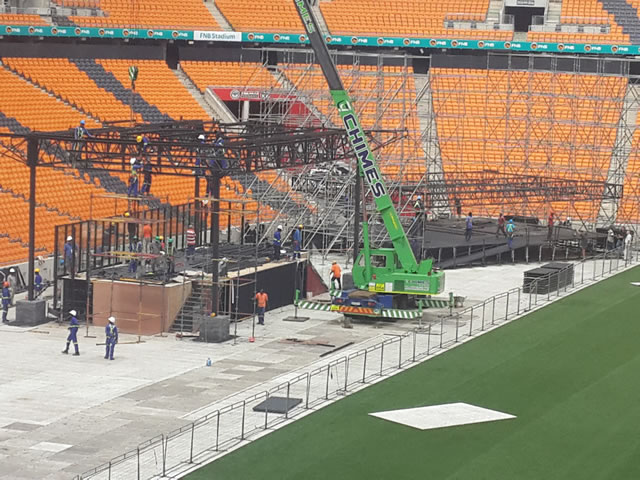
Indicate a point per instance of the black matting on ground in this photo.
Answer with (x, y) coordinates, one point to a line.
(277, 405)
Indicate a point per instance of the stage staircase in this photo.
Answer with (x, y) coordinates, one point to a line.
(196, 306)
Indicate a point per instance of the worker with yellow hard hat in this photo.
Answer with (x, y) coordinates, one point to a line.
(37, 280)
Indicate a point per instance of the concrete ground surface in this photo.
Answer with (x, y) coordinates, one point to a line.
(62, 415)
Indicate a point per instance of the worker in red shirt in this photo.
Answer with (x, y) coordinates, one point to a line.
(336, 275)
(191, 241)
(550, 222)
(261, 301)
(146, 237)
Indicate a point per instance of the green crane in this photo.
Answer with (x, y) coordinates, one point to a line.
(381, 270)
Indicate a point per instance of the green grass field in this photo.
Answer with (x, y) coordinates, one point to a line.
(569, 372)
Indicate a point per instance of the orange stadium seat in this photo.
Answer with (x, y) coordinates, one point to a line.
(518, 122)
(261, 15)
(407, 18)
(163, 14)
(228, 74)
(583, 12)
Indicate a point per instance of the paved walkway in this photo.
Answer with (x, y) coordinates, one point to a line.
(62, 415)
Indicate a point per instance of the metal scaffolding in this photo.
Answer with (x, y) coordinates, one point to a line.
(524, 134)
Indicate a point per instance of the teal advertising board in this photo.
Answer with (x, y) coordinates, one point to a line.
(299, 39)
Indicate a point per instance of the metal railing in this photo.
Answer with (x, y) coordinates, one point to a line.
(236, 421)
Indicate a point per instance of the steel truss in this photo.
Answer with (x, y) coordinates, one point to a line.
(174, 148)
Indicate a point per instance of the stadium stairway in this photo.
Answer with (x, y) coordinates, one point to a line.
(191, 87)
(107, 81)
(626, 16)
(217, 14)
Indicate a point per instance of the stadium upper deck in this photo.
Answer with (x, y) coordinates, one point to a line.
(578, 21)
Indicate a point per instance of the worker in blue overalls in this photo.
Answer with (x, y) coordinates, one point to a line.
(112, 337)
(37, 280)
(277, 243)
(297, 241)
(73, 333)
(6, 299)
(132, 191)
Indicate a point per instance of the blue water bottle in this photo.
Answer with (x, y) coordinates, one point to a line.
(208, 362)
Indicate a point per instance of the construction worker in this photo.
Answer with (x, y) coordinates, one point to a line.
(135, 246)
(111, 332)
(146, 179)
(37, 280)
(550, 222)
(80, 134)
(418, 207)
(277, 243)
(132, 228)
(201, 156)
(6, 298)
(297, 241)
(69, 256)
(511, 227)
(501, 222)
(73, 333)
(261, 301)
(336, 275)
(191, 241)
(171, 254)
(13, 283)
(132, 191)
(143, 144)
(468, 231)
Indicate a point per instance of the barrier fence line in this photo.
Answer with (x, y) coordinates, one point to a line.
(211, 435)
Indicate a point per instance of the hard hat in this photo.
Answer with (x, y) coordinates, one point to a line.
(12, 270)
(5, 284)
(300, 226)
(511, 220)
(81, 122)
(69, 238)
(73, 312)
(162, 252)
(419, 197)
(112, 319)
(201, 137)
(157, 237)
(161, 237)
(171, 240)
(279, 227)
(126, 214)
(139, 138)
(37, 270)
(133, 160)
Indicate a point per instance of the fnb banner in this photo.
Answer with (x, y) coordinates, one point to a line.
(291, 38)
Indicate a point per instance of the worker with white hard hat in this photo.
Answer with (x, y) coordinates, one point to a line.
(277, 243)
(69, 256)
(132, 190)
(111, 332)
(13, 283)
(73, 333)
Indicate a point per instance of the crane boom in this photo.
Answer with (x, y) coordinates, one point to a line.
(367, 164)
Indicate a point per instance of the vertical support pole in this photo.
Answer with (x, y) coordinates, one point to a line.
(266, 409)
(356, 217)
(215, 243)
(197, 224)
(244, 409)
(229, 223)
(32, 159)
(364, 367)
(193, 428)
